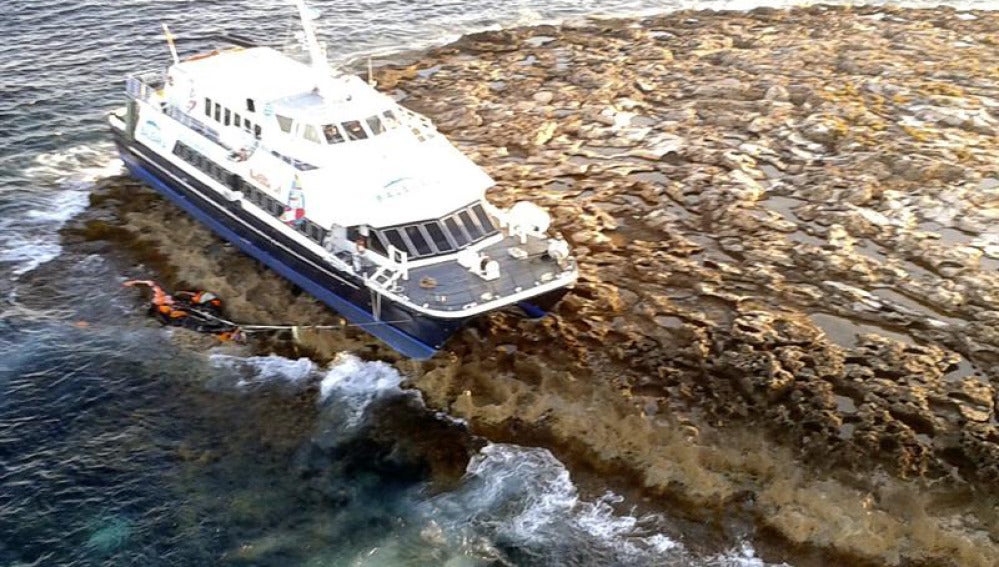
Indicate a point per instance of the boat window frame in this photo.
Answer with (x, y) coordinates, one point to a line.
(426, 241)
(378, 243)
(338, 137)
(310, 133)
(478, 213)
(377, 120)
(444, 233)
(474, 222)
(463, 233)
(291, 124)
(401, 234)
(353, 136)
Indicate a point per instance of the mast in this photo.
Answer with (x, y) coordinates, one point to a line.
(316, 53)
(169, 38)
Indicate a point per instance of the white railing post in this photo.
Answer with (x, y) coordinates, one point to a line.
(400, 261)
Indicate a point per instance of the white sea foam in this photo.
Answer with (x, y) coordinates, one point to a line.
(525, 498)
(262, 369)
(351, 385)
(743, 556)
(62, 182)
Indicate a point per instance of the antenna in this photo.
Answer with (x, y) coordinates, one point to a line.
(316, 53)
(173, 48)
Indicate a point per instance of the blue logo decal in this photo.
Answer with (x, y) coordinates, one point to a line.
(151, 131)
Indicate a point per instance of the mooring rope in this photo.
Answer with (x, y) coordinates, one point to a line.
(263, 328)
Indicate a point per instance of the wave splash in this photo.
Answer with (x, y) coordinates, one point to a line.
(352, 385)
(523, 500)
(256, 370)
(60, 185)
(513, 506)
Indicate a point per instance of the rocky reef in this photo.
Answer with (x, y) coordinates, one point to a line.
(788, 231)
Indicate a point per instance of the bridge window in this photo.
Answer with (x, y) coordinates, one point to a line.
(456, 233)
(332, 134)
(484, 220)
(354, 130)
(310, 134)
(285, 123)
(375, 125)
(437, 235)
(236, 120)
(414, 234)
(377, 244)
(208, 107)
(257, 131)
(395, 239)
(250, 105)
(473, 229)
(218, 112)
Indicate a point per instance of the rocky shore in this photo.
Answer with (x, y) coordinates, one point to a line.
(788, 230)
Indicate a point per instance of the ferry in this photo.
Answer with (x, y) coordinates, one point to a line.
(356, 199)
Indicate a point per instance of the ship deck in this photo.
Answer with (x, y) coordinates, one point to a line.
(455, 287)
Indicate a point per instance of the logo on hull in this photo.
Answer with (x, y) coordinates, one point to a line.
(260, 178)
(151, 131)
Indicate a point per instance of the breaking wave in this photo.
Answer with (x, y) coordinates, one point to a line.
(351, 385)
(255, 370)
(59, 185)
(522, 501)
(515, 504)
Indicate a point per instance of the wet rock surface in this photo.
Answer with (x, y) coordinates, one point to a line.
(786, 223)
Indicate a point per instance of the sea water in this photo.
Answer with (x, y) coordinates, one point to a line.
(118, 447)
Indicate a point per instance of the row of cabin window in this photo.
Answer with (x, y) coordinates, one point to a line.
(434, 238)
(227, 117)
(353, 130)
(201, 162)
(277, 208)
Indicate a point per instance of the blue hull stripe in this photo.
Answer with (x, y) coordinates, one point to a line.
(400, 341)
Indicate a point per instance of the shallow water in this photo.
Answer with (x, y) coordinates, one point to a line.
(117, 446)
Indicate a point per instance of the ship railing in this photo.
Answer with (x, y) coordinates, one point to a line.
(387, 277)
(400, 261)
(144, 86)
(198, 126)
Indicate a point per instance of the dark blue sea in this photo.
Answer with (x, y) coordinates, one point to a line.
(119, 447)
